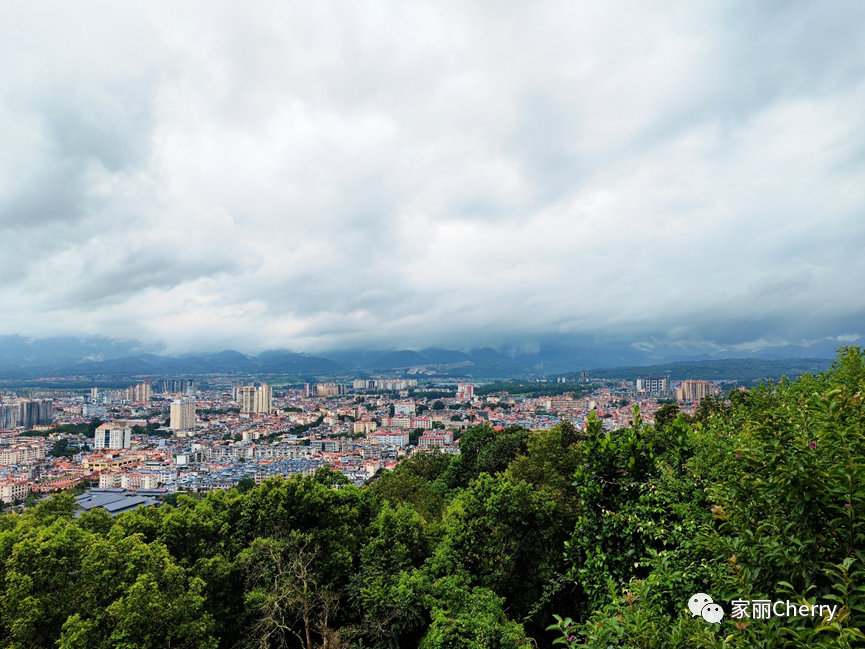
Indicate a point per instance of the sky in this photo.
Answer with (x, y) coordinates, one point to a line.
(389, 174)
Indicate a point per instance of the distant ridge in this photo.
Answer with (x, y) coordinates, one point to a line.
(744, 370)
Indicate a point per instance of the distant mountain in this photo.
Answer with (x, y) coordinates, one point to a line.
(401, 359)
(743, 370)
(22, 362)
(444, 356)
(25, 359)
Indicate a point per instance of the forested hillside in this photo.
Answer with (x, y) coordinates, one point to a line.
(761, 497)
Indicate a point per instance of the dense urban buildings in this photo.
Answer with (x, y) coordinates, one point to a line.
(26, 413)
(228, 429)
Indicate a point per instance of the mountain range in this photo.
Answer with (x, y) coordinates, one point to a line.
(29, 359)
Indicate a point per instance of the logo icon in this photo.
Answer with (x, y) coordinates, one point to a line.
(701, 604)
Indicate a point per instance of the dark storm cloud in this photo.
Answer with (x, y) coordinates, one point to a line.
(335, 175)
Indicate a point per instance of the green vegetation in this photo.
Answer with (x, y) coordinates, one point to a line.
(761, 496)
(61, 448)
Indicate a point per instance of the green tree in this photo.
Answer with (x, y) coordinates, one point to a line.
(245, 484)
(666, 414)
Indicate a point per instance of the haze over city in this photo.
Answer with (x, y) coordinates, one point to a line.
(383, 175)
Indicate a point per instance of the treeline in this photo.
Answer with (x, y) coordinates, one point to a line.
(761, 496)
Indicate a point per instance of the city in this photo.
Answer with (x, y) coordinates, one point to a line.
(168, 436)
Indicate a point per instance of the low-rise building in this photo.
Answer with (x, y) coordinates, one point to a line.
(13, 490)
(137, 481)
(364, 427)
(430, 440)
(390, 438)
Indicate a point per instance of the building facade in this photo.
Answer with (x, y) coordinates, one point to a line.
(255, 400)
(653, 385)
(183, 414)
(694, 390)
(113, 436)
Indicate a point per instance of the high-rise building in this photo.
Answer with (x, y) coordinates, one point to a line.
(255, 400)
(26, 413)
(139, 392)
(653, 386)
(113, 436)
(329, 389)
(694, 390)
(174, 386)
(94, 394)
(263, 399)
(246, 398)
(465, 391)
(183, 414)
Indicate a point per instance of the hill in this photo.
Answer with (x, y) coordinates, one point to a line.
(743, 370)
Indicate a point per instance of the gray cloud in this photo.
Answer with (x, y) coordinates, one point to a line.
(331, 175)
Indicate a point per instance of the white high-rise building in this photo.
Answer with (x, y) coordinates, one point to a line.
(263, 399)
(652, 385)
(246, 398)
(183, 414)
(113, 436)
(255, 400)
(139, 392)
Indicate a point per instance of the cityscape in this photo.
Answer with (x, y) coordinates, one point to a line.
(176, 435)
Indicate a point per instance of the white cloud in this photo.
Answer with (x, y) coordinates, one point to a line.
(318, 175)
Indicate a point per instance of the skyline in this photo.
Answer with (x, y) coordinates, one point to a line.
(338, 177)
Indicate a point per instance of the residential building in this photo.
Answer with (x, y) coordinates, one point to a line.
(652, 386)
(694, 390)
(325, 445)
(429, 440)
(137, 481)
(465, 392)
(329, 389)
(404, 409)
(113, 436)
(255, 400)
(26, 413)
(139, 392)
(110, 480)
(390, 438)
(183, 414)
(102, 463)
(13, 490)
(364, 427)
(263, 399)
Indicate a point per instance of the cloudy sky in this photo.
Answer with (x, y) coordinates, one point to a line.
(391, 174)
